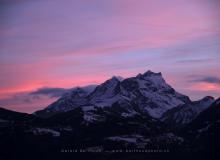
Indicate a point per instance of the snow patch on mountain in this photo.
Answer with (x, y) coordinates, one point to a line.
(87, 108)
(126, 138)
(129, 114)
(42, 131)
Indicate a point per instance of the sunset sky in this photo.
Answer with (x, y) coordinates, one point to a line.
(55, 44)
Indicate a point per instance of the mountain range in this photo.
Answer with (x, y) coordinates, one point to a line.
(148, 91)
(141, 112)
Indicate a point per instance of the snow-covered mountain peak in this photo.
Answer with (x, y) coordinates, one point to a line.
(217, 102)
(208, 98)
(202, 104)
(119, 78)
(104, 94)
(185, 113)
(153, 81)
(110, 83)
(149, 73)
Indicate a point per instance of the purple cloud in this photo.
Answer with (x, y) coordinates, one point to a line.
(208, 79)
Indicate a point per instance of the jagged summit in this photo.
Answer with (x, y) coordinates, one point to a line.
(114, 79)
(119, 78)
(206, 98)
(150, 73)
(217, 102)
